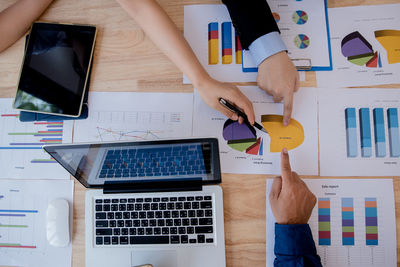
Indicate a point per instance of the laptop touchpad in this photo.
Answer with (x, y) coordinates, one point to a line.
(157, 258)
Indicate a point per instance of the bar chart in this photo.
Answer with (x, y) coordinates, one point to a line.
(21, 153)
(351, 227)
(374, 133)
(225, 43)
(23, 206)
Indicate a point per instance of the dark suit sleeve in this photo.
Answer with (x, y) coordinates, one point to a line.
(251, 19)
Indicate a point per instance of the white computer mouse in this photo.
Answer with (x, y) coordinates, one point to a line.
(57, 223)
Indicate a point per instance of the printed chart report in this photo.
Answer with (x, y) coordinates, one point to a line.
(21, 153)
(365, 46)
(352, 223)
(132, 117)
(243, 149)
(359, 132)
(23, 206)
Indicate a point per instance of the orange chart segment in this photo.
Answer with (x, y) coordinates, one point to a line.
(390, 40)
(289, 137)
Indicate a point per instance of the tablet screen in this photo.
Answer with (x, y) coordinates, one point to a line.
(55, 68)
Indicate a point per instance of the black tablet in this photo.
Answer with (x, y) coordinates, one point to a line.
(55, 68)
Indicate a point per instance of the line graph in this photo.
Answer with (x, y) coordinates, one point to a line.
(119, 135)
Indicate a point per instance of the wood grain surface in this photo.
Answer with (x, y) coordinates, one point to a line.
(126, 60)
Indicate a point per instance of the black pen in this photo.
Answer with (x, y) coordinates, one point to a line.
(234, 109)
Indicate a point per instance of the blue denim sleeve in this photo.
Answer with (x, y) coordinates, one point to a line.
(266, 46)
(294, 246)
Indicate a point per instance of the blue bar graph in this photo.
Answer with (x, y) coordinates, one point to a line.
(365, 133)
(394, 136)
(351, 132)
(379, 130)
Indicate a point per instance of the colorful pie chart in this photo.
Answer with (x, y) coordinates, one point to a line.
(302, 41)
(243, 137)
(299, 17)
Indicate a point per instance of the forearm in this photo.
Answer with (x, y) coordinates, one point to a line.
(17, 19)
(164, 33)
(294, 246)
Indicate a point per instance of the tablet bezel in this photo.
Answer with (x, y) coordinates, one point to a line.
(87, 74)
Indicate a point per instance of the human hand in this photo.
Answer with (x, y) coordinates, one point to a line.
(278, 77)
(211, 91)
(291, 200)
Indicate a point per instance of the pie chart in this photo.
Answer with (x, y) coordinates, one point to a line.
(276, 17)
(243, 137)
(299, 17)
(302, 41)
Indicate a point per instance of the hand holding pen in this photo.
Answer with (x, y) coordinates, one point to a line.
(234, 109)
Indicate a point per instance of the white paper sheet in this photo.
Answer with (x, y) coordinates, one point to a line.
(340, 148)
(366, 20)
(135, 117)
(21, 153)
(303, 30)
(208, 122)
(23, 207)
(358, 190)
(197, 19)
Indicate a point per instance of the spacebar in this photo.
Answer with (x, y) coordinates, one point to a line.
(133, 240)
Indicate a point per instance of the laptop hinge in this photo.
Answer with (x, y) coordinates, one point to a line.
(117, 187)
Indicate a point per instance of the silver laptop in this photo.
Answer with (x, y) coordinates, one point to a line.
(151, 202)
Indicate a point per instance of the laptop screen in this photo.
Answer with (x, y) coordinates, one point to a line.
(95, 164)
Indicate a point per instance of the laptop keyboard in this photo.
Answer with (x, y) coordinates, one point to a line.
(156, 220)
(164, 161)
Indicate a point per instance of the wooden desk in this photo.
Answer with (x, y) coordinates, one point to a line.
(126, 60)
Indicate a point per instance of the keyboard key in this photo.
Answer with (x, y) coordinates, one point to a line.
(146, 206)
(190, 198)
(192, 241)
(167, 214)
(99, 201)
(195, 205)
(194, 221)
(158, 214)
(169, 222)
(142, 215)
(138, 206)
(173, 199)
(165, 231)
(179, 205)
(207, 197)
(147, 200)
(132, 231)
(164, 199)
(192, 213)
(187, 205)
(126, 215)
(134, 215)
(120, 223)
(171, 206)
(185, 222)
(107, 240)
(115, 240)
(198, 198)
(139, 240)
(100, 215)
(162, 206)
(144, 223)
(177, 222)
(181, 198)
(206, 205)
(99, 207)
(118, 215)
(200, 213)
(173, 230)
(116, 231)
(154, 206)
(201, 238)
(115, 200)
(106, 201)
(101, 223)
(160, 222)
(156, 199)
(130, 207)
(208, 213)
(139, 200)
(123, 240)
(123, 200)
(175, 214)
(184, 239)
(157, 231)
(149, 231)
(131, 200)
(140, 231)
(107, 231)
(124, 231)
(205, 221)
(203, 230)
(113, 223)
(183, 214)
(136, 223)
(128, 223)
(106, 207)
(174, 239)
(182, 230)
(150, 214)
(114, 207)
(209, 240)
(152, 223)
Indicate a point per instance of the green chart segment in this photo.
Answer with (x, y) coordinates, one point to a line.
(242, 137)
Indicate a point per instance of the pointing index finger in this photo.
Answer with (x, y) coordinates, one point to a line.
(285, 167)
